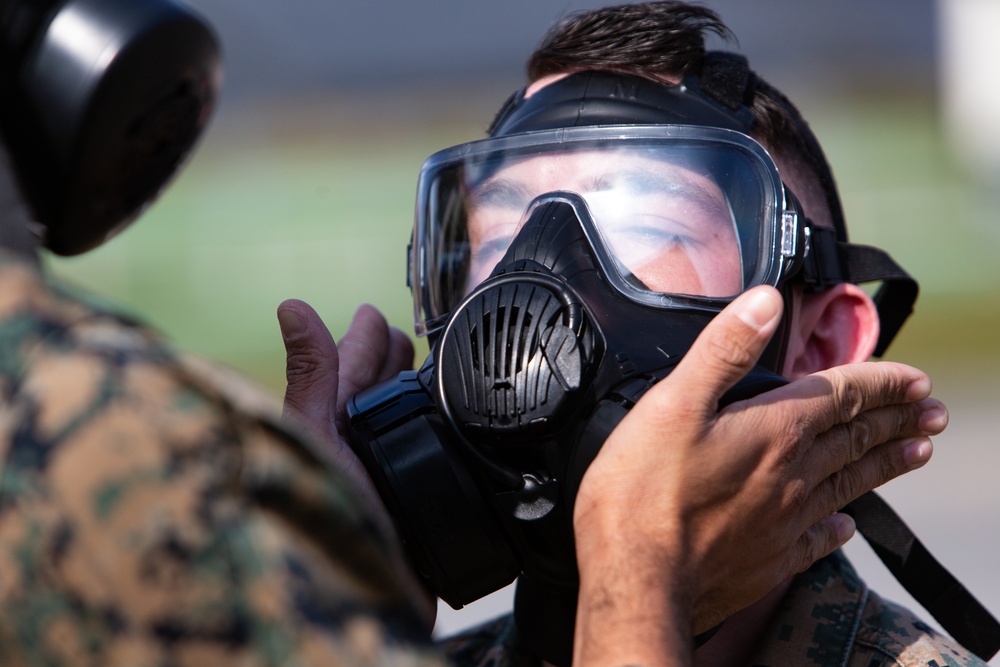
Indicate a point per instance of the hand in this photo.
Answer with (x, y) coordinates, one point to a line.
(689, 514)
(321, 378)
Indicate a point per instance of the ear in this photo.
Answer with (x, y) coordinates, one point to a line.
(830, 328)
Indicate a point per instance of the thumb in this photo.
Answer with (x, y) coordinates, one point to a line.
(728, 347)
(311, 369)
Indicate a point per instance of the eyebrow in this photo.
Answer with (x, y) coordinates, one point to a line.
(644, 182)
(514, 194)
(502, 192)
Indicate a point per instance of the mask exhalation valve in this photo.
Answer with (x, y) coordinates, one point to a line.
(514, 357)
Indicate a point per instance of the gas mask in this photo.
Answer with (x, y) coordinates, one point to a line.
(561, 268)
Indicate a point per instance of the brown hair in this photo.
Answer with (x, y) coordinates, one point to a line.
(667, 37)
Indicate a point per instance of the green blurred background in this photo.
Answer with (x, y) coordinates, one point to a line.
(316, 202)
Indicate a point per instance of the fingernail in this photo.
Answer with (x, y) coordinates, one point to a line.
(917, 453)
(844, 526)
(933, 420)
(292, 324)
(759, 309)
(919, 389)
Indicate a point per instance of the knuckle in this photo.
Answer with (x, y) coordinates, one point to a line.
(848, 394)
(860, 436)
(732, 350)
(886, 467)
(806, 551)
(845, 486)
(796, 493)
(302, 366)
(796, 437)
(907, 420)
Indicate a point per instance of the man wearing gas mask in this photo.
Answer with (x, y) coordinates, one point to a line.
(154, 509)
(562, 269)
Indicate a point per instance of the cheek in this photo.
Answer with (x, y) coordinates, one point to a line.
(671, 271)
(692, 272)
(477, 274)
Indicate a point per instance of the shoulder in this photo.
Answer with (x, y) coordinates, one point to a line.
(155, 503)
(891, 634)
(829, 616)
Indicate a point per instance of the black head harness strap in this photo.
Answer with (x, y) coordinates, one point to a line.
(611, 98)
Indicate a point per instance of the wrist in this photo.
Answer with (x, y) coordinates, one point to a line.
(633, 612)
(636, 602)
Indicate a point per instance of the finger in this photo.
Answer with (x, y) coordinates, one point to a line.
(400, 356)
(875, 468)
(821, 539)
(846, 443)
(727, 349)
(837, 395)
(311, 368)
(364, 351)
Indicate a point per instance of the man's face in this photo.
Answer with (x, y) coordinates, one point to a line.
(670, 226)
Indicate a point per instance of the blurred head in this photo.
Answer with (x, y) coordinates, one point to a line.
(102, 100)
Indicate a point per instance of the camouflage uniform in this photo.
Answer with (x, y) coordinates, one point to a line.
(153, 511)
(828, 618)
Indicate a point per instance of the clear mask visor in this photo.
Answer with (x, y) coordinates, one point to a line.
(684, 216)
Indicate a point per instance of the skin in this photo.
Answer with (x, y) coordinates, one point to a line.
(670, 226)
(754, 492)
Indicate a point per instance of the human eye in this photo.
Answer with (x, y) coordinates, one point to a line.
(490, 249)
(489, 237)
(499, 195)
(647, 234)
(657, 234)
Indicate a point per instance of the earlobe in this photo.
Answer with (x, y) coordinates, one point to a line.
(834, 327)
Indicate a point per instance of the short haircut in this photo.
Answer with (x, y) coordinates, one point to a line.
(667, 38)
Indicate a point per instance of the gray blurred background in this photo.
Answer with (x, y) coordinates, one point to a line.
(304, 186)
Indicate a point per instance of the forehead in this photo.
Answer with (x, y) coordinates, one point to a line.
(593, 169)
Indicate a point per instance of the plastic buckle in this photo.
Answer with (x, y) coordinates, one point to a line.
(821, 266)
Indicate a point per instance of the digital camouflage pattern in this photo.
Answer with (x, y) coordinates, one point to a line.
(153, 512)
(828, 618)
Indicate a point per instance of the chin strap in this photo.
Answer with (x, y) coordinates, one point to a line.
(930, 584)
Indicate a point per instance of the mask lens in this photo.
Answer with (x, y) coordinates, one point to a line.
(688, 217)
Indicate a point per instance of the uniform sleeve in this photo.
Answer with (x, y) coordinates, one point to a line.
(146, 520)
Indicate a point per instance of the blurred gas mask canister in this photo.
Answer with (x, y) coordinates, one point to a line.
(561, 268)
(102, 102)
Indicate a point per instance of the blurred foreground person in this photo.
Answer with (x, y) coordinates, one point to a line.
(154, 510)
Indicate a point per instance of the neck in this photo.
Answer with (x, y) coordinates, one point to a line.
(734, 643)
